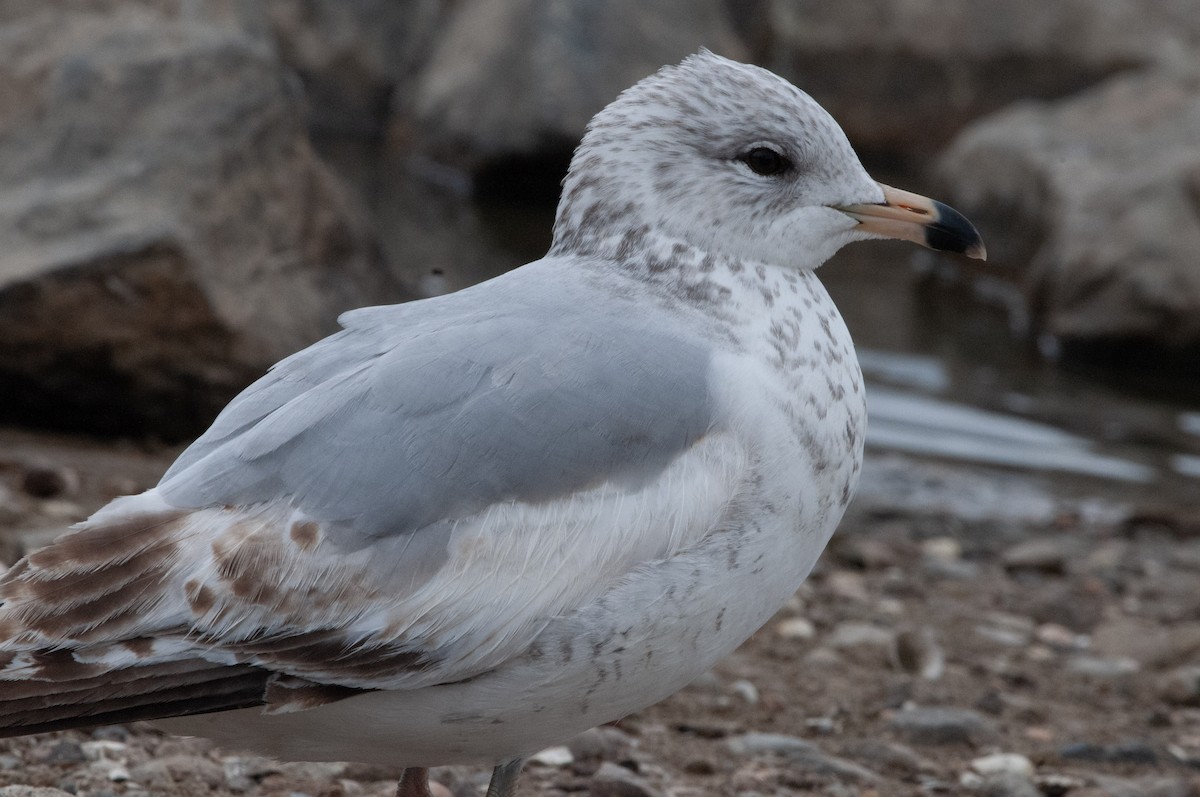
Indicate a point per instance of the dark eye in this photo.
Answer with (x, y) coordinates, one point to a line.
(766, 161)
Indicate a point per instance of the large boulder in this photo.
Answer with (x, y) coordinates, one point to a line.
(903, 76)
(169, 231)
(521, 78)
(353, 57)
(1098, 199)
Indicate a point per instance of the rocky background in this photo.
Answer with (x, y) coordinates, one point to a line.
(192, 189)
(170, 229)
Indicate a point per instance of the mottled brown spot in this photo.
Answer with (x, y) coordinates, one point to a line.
(140, 647)
(199, 596)
(306, 534)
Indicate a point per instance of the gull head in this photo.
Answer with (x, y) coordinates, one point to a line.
(735, 161)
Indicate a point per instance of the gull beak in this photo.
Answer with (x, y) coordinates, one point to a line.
(924, 221)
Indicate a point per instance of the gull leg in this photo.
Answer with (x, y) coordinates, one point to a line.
(504, 779)
(414, 783)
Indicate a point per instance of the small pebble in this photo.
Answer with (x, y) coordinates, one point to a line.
(937, 725)
(1181, 686)
(800, 754)
(863, 642)
(49, 481)
(1002, 636)
(64, 751)
(1003, 764)
(1101, 667)
(795, 628)
(917, 652)
(749, 744)
(745, 690)
(103, 750)
(1061, 637)
(892, 756)
(848, 585)
(1053, 784)
(1004, 784)
(822, 725)
(604, 743)
(559, 756)
(1131, 752)
(612, 780)
(1038, 555)
(943, 549)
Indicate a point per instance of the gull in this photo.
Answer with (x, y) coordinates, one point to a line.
(466, 528)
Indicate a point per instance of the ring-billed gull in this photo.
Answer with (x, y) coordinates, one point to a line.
(465, 528)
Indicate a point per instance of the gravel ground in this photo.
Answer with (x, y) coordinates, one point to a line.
(1047, 646)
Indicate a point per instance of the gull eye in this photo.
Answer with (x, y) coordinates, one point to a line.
(766, 162)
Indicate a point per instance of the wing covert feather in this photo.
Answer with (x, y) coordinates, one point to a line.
(405, 419)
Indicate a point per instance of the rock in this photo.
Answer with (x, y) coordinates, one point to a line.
(1130, 752)
(559, 756)
(936, 726)
(795, 628)
(617, 781)
(161, 193)
(1039, 555)
(800, 754)
(745, 690)
(521, 78)
(49, 481)
(1003, 764)
(104, 750)
(1156, 786)
(1181, 686)
(750, 744)
(847, 585)
(855, 635)
(604, 743)
(1131, 637)
(1097, 194)
(32, 791)
(917, 652)
(1060, 637)
(353, 58)
(1001, 784)
(63, 752)
(865, 553)
(165, 773)
(888, 756)
(1074, 605)
(923, 70)
(1055, 784)
(1102, 667)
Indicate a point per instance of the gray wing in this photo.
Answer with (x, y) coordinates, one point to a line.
(425, 412)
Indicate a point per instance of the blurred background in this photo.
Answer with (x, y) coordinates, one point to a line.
(193, 189)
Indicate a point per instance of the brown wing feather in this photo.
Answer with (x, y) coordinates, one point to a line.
(65, 606)
(158, 691)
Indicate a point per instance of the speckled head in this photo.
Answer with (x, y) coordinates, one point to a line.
(733, 160)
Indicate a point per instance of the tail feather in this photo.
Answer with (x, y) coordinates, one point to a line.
(95, 629)
(201, 691)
